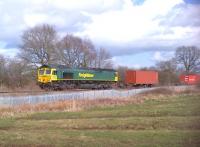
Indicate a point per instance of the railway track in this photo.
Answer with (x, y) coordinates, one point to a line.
(43, 97)
(5, 92)
(70, 90)
(27, 92)
(63, 91)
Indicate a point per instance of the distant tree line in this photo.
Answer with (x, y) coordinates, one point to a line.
(185, 61)
(42, 45)
(14, 73)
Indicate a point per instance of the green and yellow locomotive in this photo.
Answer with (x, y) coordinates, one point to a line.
(59, 77)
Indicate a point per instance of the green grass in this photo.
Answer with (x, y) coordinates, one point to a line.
(171, 121)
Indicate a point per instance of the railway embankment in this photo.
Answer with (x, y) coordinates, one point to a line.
(45, 97)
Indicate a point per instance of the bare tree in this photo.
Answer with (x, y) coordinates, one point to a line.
(122, 71)
(2, 70)
(103, 59)
(76, 52)
(167, 72)
(14, 73)
(169, 65)
(16, 70)
(189, 58)
(68, 50)
(38, 44)
(88, 54)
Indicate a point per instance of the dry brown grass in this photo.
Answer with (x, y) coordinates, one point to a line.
(78, 105)
(198, 85)
(67, 105)
(170, 91)
(4, 88)
(29, 87)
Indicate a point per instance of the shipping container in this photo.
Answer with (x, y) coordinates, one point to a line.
(190, 79)
(141, 77)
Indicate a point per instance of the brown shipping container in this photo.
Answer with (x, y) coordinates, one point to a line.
(141, 77)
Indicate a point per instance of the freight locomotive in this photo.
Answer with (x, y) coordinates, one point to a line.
(58, 77)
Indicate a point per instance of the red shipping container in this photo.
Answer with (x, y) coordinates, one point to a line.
(138, 77)
(190, 79)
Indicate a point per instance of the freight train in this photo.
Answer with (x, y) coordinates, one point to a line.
(58, 77)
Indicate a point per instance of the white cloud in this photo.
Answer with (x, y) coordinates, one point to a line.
(10, 53)
(118, 25)
(157, 56)
(162, 56)
(122, 61)
(32, 19)
(136, 28)
(6, 19)
(86, 5)
(132, 22)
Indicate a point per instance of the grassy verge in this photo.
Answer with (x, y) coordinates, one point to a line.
(165, 121)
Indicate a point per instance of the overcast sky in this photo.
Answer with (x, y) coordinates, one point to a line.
(137, 33)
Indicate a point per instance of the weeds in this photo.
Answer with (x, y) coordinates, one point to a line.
(198, 85)
(67, 106)
(83, 104)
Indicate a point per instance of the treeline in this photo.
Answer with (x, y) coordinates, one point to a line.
(14, 73)
(186, 60)
(43, 45)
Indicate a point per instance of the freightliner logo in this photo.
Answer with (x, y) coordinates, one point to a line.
(86, 75)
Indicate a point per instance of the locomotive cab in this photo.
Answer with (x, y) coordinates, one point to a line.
(46, 75)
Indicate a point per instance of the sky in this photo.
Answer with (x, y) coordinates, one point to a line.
(137, 33)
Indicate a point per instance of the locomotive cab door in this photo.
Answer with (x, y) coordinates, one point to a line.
(54, 76)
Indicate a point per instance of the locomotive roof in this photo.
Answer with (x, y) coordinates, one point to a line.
(66, 67)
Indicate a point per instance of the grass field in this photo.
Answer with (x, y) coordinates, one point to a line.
(168, 121)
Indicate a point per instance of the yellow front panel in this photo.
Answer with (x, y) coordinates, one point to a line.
(43, 77)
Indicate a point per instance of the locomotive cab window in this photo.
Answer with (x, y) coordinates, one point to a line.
(48, 71)
(41, 71)
(54, 72)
